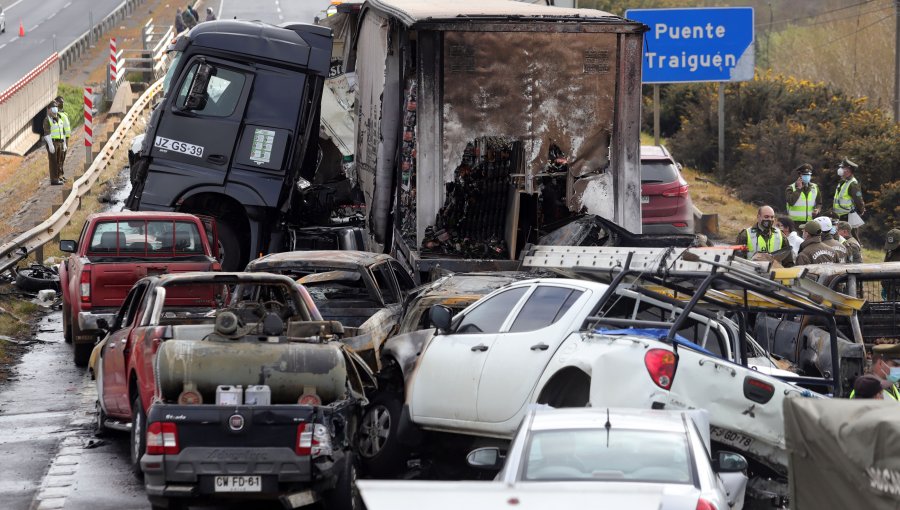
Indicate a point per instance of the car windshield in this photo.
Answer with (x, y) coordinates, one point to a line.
(658, 171)
(620, 455)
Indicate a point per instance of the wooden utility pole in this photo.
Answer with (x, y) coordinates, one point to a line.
(897, 62)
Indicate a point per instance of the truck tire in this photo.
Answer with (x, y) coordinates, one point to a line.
(138, 443)
(345, 495)
(230, 253)
(67, 323)
(81, 353)
(378, 445)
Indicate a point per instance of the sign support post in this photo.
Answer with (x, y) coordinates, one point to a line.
(656, 113)
(722, 131)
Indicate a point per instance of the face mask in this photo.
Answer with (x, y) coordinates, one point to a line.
(840, 172)
(766, 224)
(54, 110)
(806, 178)
(894, 375)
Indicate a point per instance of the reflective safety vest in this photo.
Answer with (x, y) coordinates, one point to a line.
(57, 128)
(843, 202)
(67, 126)
(802, 209)
(767, 246)
(891, 392)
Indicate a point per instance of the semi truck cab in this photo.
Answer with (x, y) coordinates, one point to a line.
(219, 144)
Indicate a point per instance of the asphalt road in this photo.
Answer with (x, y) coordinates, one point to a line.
(270, 11)
(50, 25)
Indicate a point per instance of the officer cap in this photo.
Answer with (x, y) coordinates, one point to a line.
(892, 241)
(812, 228)
(846, 163)
(843, 225)
(804, 169)
(887, 350)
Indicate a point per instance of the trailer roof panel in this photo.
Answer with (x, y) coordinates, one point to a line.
(411, 12)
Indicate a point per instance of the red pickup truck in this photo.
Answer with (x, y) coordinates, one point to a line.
(115, 250)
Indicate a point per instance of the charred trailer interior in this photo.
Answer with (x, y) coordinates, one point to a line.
(483, 125)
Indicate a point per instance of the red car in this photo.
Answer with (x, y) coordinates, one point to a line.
(117, 249)
(666, 206)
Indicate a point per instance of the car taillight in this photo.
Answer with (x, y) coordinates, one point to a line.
(679, 191)
(304, 439)
(85, 285)
(660, 365)
(758, 390)
(702, 504)
(162, 438)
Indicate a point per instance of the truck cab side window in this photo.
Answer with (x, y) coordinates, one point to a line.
(222, 93)
(489, 316)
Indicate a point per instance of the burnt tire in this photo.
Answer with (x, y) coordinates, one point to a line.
(35, 279)
(345, 495)
(230, 253)
(163, 503)
(138, 437)
(378, 444)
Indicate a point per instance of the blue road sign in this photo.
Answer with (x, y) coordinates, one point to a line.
(702, 44)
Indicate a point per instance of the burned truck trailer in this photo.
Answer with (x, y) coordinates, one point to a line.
(484, 124)
(236, 133)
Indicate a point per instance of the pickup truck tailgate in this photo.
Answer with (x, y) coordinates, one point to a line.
(111, 280)
(212, 426)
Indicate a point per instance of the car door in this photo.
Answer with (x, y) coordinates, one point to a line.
(445, 386)
(114, 380)
(521, 351)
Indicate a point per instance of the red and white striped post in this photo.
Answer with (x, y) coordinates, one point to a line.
(88, 126)
(113, 67)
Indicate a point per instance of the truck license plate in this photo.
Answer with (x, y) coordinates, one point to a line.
(167, 144)
(645, 199)
(238, 484)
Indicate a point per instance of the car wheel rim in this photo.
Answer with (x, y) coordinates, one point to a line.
(376, 428)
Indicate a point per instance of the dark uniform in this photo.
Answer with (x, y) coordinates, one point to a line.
(54, 128)
(841, 255)
(813, 250)
(854, 249)
(889, 289)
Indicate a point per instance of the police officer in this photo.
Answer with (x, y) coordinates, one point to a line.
(828, 231)
(67, 131)
(813, 250)
(803, 198)
(763, 237)
(886, 367)
(55, 138)
(854, 250)
(848, 195)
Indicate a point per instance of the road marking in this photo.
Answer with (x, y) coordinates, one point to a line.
(3, 45)
(17, 2)
(13, 39)
(67, 4)
(51, 16)
(221, 7)
(32, 29)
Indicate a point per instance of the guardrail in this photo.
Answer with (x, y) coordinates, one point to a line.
(152, 60)
(19, 248)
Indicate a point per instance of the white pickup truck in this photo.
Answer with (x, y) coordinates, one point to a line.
(561, 342)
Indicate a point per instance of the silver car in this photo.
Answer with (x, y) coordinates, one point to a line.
(623, 450)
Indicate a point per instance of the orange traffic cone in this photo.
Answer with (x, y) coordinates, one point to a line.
(21, 29)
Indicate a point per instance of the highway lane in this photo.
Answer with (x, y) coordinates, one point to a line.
(270, 11)
(49, 25)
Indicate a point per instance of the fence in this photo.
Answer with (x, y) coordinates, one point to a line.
(152, 61)
(19, 248)
(22, 101)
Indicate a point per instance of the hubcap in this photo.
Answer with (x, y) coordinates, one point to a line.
(375, 430)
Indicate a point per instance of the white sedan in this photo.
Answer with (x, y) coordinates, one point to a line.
(588, 458)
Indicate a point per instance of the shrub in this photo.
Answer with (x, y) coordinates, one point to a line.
(73, 98)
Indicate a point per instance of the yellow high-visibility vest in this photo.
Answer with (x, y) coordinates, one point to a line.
(767, 246)
(67, 126)
(57, 128)
(843, 202)
(802, 209)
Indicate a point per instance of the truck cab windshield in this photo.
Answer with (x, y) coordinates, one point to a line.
(175, 56)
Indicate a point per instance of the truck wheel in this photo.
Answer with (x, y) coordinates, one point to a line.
(230, 255)
(67, 324)
(345, 495)
(81, 353)
(138, 436)
(381, 452)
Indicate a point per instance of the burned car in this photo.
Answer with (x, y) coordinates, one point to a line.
(363, 291)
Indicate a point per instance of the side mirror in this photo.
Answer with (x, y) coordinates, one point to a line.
(68, 246)
(486, 458)
(196, 99)
(729, 462)
(440, 316)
